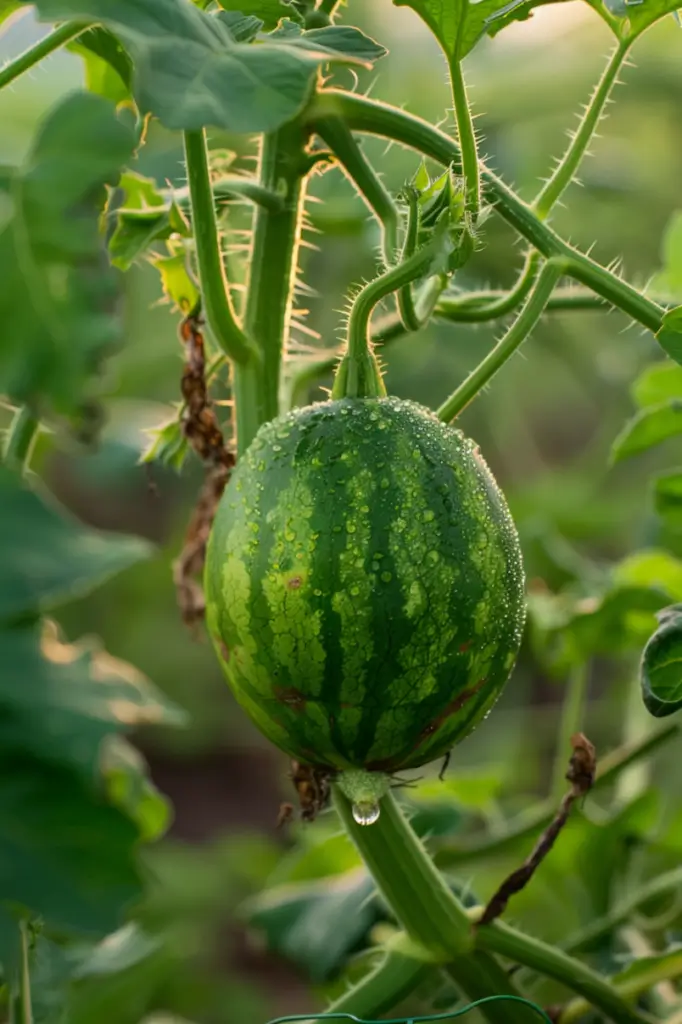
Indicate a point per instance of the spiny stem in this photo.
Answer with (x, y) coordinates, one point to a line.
(20, 438)
(233, 187)
(629, 988)
(481, 306)
(340, 140)
(572, 713)
(567, 167)
(408, 313)
(55, 39)
(215, 290)
(274, 260)
(396, 976)
(467, 141)
(500, 938)
(507, 345)
(376, 118)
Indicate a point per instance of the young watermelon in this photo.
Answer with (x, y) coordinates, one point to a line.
(364, 585)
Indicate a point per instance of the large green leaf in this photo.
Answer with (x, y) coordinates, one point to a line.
(637, 17)
(658, 383)
(668, 498)
(47, 556)
(661, 668)
(457, 24)
(648, 428)
(57, 294)
(108, 68)
(190, 71)
(269, 12)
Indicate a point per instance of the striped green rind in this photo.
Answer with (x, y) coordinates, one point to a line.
(364, 584)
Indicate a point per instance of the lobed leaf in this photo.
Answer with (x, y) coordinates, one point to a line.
(142, 216)
(58, 295)
(661, 666)
(190, 72)
(648, 428)
(658, 383)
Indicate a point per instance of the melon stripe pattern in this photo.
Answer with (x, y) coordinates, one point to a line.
(364, 584)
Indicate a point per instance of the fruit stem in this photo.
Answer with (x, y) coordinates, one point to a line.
(508, 343)
(59, 36)
(425, 906)
(20, 438)
(335, 132)
(566, 169)
(358, 375)
(367, 115)
(274, 259)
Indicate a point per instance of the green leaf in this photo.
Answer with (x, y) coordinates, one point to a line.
(670, 335)
(190, 72)
(66, 855)
(636, 17)
(649, 427)
(269, 12)
(658, 383)
(168, 445)
(668, 498)
(177, 281)
(344, 40)
(130, 788)
(47, 556)
(661, 667)
(657, 967)
(143, 215)
(651, 568)
(108, 68)
(57, 293)
(668, 281)
(8, 7)
(459, 24)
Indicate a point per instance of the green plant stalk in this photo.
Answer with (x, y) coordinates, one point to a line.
(234, 187)
(20, 438)
(507, 345)
(366, 115)
(406, 307)
(488, 305)
(572, 714)
(274, 257)
(358, 375)
(628, 989)
(591, 935)
(567, 167)
(422, 902)
(467, 141)
(335, 132)
(529, 824)
(55, 39)
(20, 1007)
(500, 938)
(394, 978)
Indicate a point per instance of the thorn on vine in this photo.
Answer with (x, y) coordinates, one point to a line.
(580, 774)
(201, 428)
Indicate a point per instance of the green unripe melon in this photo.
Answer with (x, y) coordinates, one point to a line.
(364, 585)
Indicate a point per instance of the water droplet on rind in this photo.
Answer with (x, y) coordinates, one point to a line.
(365, 813)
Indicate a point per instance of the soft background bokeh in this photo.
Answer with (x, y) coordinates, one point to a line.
(545, 426)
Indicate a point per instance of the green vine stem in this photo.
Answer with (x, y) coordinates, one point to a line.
(508, 343)
(628, 989)
(358, 375)
(422, 902)
(593, 933)
(500, 938)
(274, 258)
(467, 141)
(55, 39)
(366, 115)
(567, 167)
(406, 307)
(530, 823)
(336, 134)
(395, 977)
(20, 1007)
(20, 438)
(572, 714)
(234, 186)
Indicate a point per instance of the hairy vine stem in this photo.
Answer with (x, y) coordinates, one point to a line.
(55, 39)
(508, 343)
(467, 141)
(567, 167)
(376, 118)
